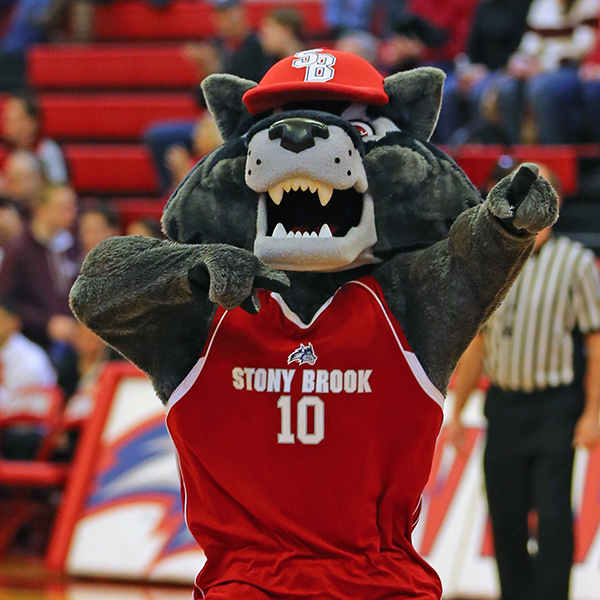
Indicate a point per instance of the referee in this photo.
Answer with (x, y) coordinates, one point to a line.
(541, 351)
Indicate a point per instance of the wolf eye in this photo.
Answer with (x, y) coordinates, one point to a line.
(363, 128)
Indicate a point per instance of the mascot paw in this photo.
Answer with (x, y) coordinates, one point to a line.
(524, 201)
(231, 276)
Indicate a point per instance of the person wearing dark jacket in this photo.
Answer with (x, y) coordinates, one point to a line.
(40, 266)
(497, 29)
(238, 51)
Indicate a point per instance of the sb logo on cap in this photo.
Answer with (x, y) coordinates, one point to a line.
(319, 67)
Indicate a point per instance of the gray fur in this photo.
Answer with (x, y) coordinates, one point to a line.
(417, 94)
(447, 259)
(232, 272)
(223, 94)
(213, 204)
(136, 293)
(533, 215)
(417, 193)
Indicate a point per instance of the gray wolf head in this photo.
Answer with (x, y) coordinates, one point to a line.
(325, 166)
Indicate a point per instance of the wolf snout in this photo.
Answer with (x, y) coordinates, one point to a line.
(298, 134)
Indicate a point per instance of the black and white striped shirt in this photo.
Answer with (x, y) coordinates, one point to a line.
(528, 340)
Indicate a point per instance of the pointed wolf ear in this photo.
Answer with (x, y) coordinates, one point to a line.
(223, 94)
(417, 94)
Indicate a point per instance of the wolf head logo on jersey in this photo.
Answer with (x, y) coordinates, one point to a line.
(303, 355)
(326, 166)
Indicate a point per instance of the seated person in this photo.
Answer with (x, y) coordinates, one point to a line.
(22, 179)
(239, 51)
(11, 223)
(23, 364)
(21, 119)
(497, 30)
(146, 226)
(543, 72)
(96, 223)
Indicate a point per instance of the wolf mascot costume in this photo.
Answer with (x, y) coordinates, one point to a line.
(327, 268)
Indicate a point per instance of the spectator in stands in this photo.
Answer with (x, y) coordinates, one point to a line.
(11, 224)
(582, 115)
(22, 179)
(146, 226)
(236, 50)
(40, 266)
(21, 130)
(83, 348)
(407, 45)
(542, 74)
(430, 32)
(281, 33)
(78, 373)
(361, 43)
(22, 364)
(497, 30)
(78, 377)
(96, 223)
(349, 16)
(589, 87)
(179, 160)
(28, 23)
(344, 16)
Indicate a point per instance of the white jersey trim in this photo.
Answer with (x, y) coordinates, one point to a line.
(183, 486)
(184, 387)
(413, 362)
(416, 516)
(290, 315)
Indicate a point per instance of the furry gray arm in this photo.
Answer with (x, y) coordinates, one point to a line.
(154, 300)
(443, 294)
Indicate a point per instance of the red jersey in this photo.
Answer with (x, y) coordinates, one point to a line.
(304, 450)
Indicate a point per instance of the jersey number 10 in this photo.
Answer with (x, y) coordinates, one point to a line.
(284, 404)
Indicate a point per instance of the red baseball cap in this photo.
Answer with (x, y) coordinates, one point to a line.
(317, 74)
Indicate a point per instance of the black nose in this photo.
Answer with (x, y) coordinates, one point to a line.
(298, 134)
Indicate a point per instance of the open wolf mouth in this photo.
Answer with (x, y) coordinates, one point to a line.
(314, 209)
(320, 230)
(307, 208)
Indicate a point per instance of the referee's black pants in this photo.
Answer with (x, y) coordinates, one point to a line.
(528, 465)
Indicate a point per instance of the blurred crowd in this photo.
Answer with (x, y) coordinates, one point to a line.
(46, 230)
(518, 71)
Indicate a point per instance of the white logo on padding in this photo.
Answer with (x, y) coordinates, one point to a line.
(319, 66)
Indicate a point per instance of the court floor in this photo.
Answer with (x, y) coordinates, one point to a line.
(28, 580)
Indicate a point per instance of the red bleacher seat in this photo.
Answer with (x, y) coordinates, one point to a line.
(561, 160)
(186, 19)
(478, 161)
(111, 169)
(39, 408)
(132, 209)
(109, 66)
(111, 116)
